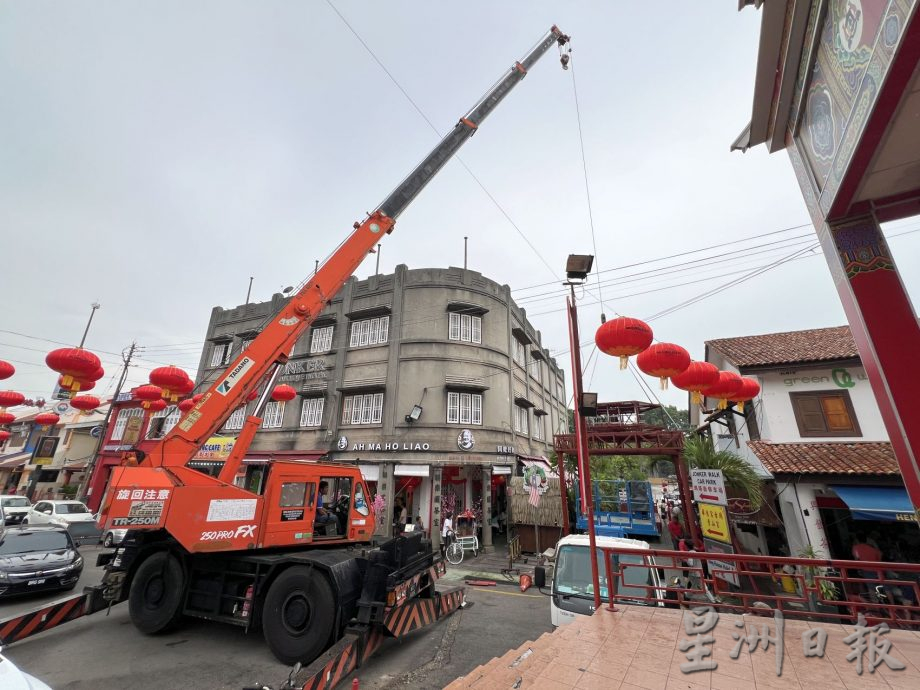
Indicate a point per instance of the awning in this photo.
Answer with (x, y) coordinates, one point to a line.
(370, 473)
(411, 471)
(888, 503)
(501, 469)
(528, 460)
(11, 462)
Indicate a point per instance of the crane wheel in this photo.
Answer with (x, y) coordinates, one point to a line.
(155, 601)
(298, 615)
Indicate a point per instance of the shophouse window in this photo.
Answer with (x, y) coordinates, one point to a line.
(121, 421)
(235, 421)
(362, 409)
(825, 413)
(518, 352)
(321, 340)
(311, 414)
(273, 415)
(220, 355)
(369, 331)
(162, 422)
(533, 366)
(464, 408)
(521, 419)
(465, 328)
(246, 344)
(538, 427)
(560, 391)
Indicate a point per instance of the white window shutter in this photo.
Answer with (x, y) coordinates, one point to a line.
(453, 328)
(347, 408)
(355, 332)
(465, 327)
(477, 329)
(318, 411)
(465, 408)
(477, 409)
(384, 329)
(453, 408)
(374, 336)
(378, 408)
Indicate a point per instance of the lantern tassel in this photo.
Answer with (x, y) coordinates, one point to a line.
(723, 403)
(696, 398)
(664, 383)
(741, 406)
(624, 361)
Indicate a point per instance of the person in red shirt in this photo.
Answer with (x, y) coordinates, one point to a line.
(676, 530)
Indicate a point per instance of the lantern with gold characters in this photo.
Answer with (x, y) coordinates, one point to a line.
(623, 337)
(696, 377)
(663, 360)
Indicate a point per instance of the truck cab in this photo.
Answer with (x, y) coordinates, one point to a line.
(572, 592)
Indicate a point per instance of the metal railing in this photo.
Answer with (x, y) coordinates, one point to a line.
(834, 591)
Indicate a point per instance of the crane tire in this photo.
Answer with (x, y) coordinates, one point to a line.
(155, 600)
(298, 615)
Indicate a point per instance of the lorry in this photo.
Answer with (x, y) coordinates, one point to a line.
(572, 592)
(622, 508)
(256, 556)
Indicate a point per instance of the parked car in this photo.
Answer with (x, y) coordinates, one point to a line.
(60, 513)
(11, 678)
(15, 508)
(114, 537)
(36, 558)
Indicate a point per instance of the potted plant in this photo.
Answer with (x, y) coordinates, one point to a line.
(827, 588)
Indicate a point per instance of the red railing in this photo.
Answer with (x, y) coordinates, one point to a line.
(811, 589)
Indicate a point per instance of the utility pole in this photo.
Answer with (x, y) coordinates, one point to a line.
(377, 271)
(88, 475)
(249, 291)
(465, 238)
(95, 306)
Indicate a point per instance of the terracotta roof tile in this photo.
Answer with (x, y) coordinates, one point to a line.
(814, 345)
(826, 458)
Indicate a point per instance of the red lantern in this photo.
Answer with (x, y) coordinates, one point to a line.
(85, 402)
(696, 377)
(171, 379)
(284, 392)
(4, 435)
(186, 405)
(187, 387)
(7, 418)
(623, 337)
(749, 390)
(95, 376)
(76, 385)
(73, 363)
(11, 399)
(724, 389)
(6, 370)
(149, 394)
(663, 360)
(197, 397)
(47, 419)
(155, 405)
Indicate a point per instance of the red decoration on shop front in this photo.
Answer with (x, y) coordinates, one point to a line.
(7, 418)
(186, 405)
(4, 435)
(149, 394)
(73, 363)
(11, 399)
(85, 402)
(696, 377)
(172, 380)
(6, 370)
(623, 337)
(47, 419)
(284, 393)
(749, 390)
(724, 389)
(663, 360)
(155, 405)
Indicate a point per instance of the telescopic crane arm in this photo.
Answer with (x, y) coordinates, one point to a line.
(269, 350)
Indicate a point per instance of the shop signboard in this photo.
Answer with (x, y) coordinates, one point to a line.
(714, 522)
(730, 573)
(132, 430)
(217, 448)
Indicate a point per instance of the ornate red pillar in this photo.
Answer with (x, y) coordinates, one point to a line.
(885, 328)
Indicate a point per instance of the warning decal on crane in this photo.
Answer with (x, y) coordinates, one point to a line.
(233, 377)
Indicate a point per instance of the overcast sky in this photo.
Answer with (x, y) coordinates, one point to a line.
(154, 155)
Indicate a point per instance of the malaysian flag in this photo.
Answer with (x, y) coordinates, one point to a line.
(534, 490)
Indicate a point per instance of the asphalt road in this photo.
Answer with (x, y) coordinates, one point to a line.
(91, 575)
(102, 651)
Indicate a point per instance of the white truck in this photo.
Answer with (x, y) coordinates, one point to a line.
(572, 592)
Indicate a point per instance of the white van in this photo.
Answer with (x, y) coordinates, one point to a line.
(572, 593)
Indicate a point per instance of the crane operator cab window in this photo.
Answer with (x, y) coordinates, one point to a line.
(332, 506)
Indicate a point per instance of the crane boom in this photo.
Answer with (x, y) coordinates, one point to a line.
(270, 349)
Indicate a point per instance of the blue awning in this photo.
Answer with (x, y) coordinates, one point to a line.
(877, 502)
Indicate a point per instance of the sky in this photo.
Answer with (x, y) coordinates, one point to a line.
(154, 156)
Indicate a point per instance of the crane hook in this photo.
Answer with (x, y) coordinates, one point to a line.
(564, 59)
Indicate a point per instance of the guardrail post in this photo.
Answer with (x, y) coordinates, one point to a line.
(611, 582)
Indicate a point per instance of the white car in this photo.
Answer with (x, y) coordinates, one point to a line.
(61, 513)
(113, 537)
(15, 508)
(11, 678)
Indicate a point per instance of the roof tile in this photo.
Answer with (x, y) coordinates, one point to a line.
(827, 458)
(813, 345)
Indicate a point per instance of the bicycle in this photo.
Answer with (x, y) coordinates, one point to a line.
(454, 551)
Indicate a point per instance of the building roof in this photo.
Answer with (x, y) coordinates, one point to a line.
(862, 458)
(793, 347)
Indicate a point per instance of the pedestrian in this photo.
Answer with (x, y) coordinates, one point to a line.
(447, 533)
(676, 529)
(399, 516)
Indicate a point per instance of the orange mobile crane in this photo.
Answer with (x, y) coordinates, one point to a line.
(201, 546)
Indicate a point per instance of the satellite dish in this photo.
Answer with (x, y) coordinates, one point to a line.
(288, 290)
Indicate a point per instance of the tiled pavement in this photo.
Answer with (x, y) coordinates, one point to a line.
(638, 647)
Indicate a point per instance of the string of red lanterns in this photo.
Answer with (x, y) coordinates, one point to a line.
(6, 370)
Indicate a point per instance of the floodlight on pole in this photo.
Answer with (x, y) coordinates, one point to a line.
(578, 266)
